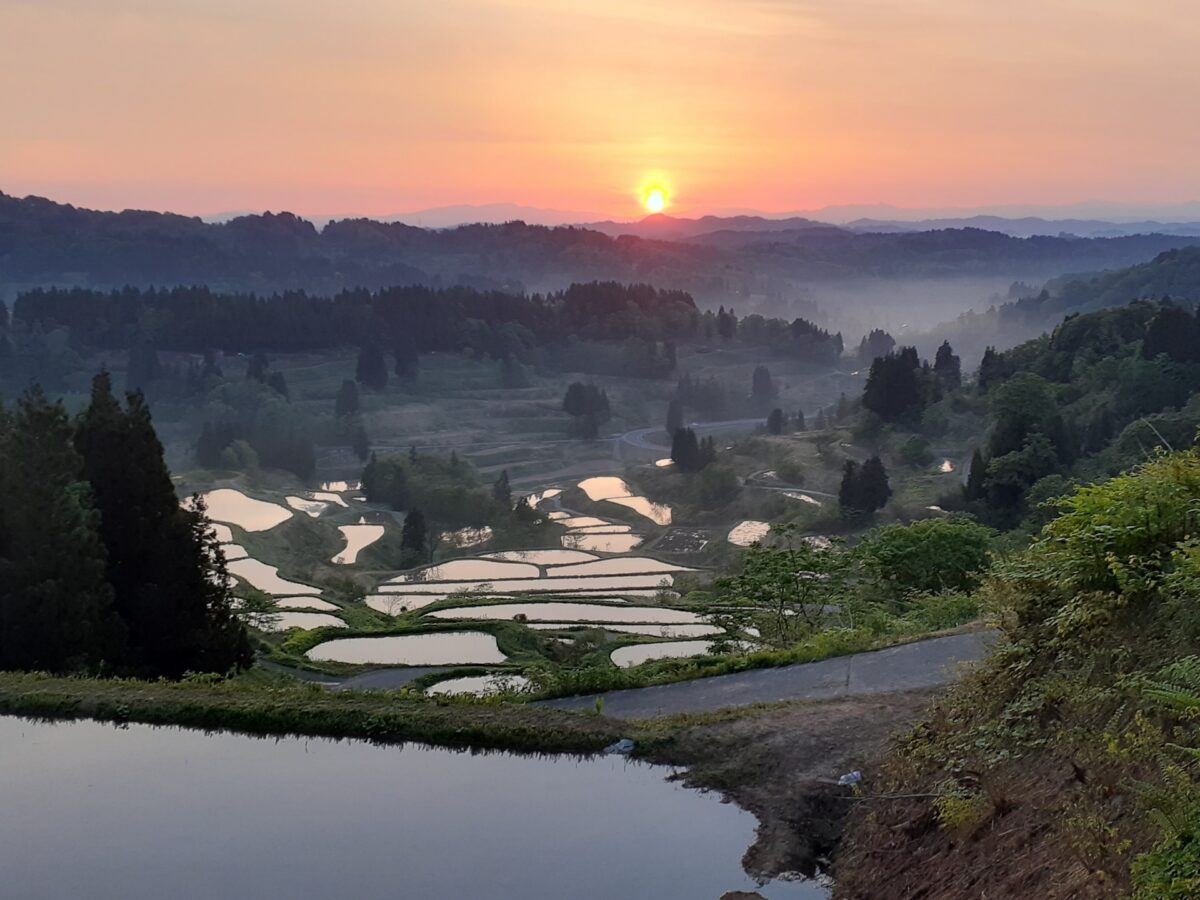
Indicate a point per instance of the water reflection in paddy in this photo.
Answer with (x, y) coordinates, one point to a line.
(305, 603)
(613, 583)
(623, 565)
(266, 578)
(235, 508)
(543, 557)
(230, 816)
(441, 649)
(602, 543)
(223, 533)
(617, 490)
(557, 611)
(481, 685)
(636, 654)
(684, 630)
(304, 620)
(468, 537)
(311, 508)
(329, 497)
(395, 604)
(358, 538)
(457, 569)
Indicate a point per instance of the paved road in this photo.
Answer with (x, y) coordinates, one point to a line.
(918, 665)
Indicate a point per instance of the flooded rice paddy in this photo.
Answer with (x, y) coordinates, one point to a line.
(445, 648)
(636, 654)
(542, 557)
(235, 508)
(602, 543)
(311, 508)
(358, 538)
(565, 611)
(303, 620)
(305, 603)
(480, 685)
(266, 578)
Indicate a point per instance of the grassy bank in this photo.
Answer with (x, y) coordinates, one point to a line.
(264, 707)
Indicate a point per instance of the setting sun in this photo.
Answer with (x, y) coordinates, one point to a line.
(654, 198)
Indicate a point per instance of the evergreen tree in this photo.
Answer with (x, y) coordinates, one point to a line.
(278, 384)
(800, 426)
(55, 605)
(164, 565)
(762, 388)
(776, 421)
(848, 492)
(992, 369)
(346, 403)
(947, 367)
(1174, 333)
(708, 451)
(874, 489)
(371, 368)
(674, 416)
(685, 451)
(412, 536)
(502, 490)
(256, 368)
(975, 488)
(895, 388)
(820, 424)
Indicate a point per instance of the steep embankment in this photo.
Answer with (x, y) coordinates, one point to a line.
(1063, 768)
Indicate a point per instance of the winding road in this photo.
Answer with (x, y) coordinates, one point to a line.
(921, 664)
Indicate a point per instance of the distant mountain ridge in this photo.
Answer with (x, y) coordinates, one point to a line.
(43, 243)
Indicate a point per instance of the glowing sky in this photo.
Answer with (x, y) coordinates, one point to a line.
(381, 106)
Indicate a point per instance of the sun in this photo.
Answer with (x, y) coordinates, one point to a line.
(654, 198)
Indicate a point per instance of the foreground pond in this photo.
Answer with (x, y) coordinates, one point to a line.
(142, 813)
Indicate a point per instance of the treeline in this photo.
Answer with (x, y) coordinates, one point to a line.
(101, 570)
(1092, 398)
(494, 323)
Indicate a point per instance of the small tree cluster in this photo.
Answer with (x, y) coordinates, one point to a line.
(864, 488)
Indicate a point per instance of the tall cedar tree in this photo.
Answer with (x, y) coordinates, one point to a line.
(776, 421)
(55, 606)
(360, 442)
(948, 367)
(412, 535)
(256, 368)
(800, 426)
(346, 402)
(762, 388)
(976, 487)
(278, 383)
(164, 565)
(371, 368)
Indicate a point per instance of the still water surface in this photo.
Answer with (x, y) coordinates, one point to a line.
(137, 813)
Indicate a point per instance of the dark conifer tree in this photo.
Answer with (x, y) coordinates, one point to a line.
(371, 368)
(412, 536)
(849, 496)
(164, 565)
(992, 369)
(874, 489)
(762, 388)
(975, 488)
(257, 367)
(55, 605)
(800, 426)
(947, 367)
(776, 421)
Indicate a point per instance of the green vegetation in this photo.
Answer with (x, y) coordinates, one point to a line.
(1095, 677)
(100, 567)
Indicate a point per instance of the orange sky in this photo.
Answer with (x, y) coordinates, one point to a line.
(383, 106)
